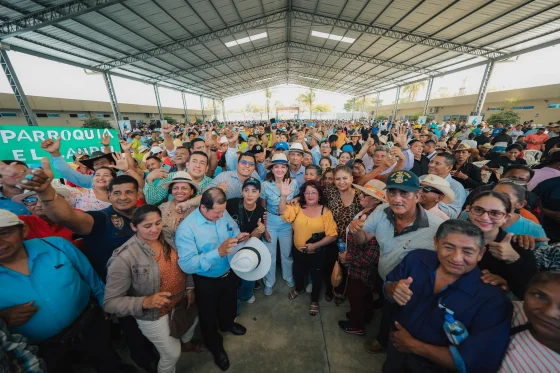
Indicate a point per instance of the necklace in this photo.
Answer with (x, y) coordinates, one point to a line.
(247, 215)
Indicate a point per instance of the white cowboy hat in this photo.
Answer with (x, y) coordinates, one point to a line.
(250, 260)
(181, 177)
(440, 184)
(296, 147)
(63, 192)
(373, 188)
(278, 158)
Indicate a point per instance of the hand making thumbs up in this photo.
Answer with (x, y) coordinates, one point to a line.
(39, 179)
(503, 250)
(357, 225)
(399, 291)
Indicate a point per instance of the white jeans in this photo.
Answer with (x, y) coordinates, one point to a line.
(169, 348)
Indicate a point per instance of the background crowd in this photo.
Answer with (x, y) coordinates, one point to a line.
(449, 229)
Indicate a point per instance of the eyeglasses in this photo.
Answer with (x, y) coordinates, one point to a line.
(513, 181)
(245, 162)
(431, 190)
(30, 201)
(493, 214)
(311, 193)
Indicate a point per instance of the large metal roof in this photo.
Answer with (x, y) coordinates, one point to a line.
(181, 44)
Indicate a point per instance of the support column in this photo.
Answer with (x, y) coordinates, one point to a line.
(395, 109)
(112, 95)
(224, 110)
(428, 94)
(483, 90)
(30, 117)
(214, 107)
(185, 107)
(202, 107)
(376, 105)
(158, 101)
(363, 104)
(353, 102)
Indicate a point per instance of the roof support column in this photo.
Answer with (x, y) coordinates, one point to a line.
(112, 95)
(376, 105)
(202, 107)
(214, 107)
(26, 109)
(224, 109)
(158, 101)
(363, 103)
(396, 107)
(353, 102)
(483, 90)
(185, 107)
(428, 94)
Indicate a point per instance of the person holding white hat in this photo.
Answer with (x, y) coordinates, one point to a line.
(361, 261)
(277, 230)
(182, 188)
(434, 190)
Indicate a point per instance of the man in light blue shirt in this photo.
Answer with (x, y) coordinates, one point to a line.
(47, 285)
(297, 170)
(232, 181)
(204, 239)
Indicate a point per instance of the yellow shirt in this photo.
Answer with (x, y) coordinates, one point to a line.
(341, 140)
(304, 226)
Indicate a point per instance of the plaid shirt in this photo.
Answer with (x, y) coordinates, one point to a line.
(16, 356)
(362, 259)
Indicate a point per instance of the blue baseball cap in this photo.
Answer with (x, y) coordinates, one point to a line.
(347, 148)
(282, 146)
(403, 180)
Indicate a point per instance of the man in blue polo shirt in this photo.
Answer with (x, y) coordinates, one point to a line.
(429, 285)
(11, 174)
(46, 289)
(103, 232)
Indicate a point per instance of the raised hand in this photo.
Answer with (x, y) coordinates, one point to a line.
(51, 146)
(357, 225)
(120, 162)
(401, 134)
(39, 180)
(166, 128)
(260, 227)
(285, 189)
(401, 292)
(125, 145)
(10, 171)
(158, 173)
(105, 141)
(503, 250)
(528, 242)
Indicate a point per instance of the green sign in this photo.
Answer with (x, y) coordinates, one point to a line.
(23, 143)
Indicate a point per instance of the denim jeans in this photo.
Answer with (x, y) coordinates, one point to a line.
(244, 293)
(281, 231)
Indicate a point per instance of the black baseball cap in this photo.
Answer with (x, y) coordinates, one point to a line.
(256, 149)
(252, 181)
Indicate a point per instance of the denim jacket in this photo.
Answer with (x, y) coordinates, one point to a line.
(133, 274)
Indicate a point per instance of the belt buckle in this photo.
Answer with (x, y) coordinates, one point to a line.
(225, 274)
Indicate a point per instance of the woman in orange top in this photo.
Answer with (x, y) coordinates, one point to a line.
(314, 228)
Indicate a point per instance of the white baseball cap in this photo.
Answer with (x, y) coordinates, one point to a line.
(8, 219)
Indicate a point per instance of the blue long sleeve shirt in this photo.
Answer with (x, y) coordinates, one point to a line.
(60, 283)
(197, 242)
(73, 176)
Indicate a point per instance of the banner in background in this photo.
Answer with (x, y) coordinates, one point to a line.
(475, 120)
(422, 119)
(23, 143)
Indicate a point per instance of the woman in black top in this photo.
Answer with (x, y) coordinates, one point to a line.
(421, 162)
(504, 262)
(509, 159)
(250, 217)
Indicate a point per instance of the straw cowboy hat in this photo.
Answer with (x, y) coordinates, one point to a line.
(181, 177)
(374, 188)
(440, 184)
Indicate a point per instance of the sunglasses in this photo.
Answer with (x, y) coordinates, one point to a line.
(30, 201)
(245, 163)
(431, 190)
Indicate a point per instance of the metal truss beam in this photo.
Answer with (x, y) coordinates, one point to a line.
(398, 35)
(357, 57)
(255, 69)
(13, 80)
(428, 95)
(158, 102)
(237, 57)
(483, 90)
(51, 15)
(112, 95)
(189, 42)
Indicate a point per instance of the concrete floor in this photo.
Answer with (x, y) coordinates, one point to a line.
(283, 337)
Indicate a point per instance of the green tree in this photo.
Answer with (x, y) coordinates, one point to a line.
(322, 108)
(268, 95)
(96, 123)
(307, 99)
(414, 117)
(368, 105)
(507, 115)
(412, 90)
(170, 119)
(381, 117)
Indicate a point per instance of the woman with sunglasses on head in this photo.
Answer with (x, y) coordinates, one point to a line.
(314, 229)
(504, 262)
(517, 224)
(277, 230)
(144, 280)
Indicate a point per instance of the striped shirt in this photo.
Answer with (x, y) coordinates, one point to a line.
(525, 354)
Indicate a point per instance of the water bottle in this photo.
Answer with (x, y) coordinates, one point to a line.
(341, 245)
(455, 330)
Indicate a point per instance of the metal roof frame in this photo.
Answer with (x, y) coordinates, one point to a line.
(194, 58)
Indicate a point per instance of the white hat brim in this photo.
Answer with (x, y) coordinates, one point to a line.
(449, 194)
(192, 183)
(264, 265)
(368, 192)
(65, 193)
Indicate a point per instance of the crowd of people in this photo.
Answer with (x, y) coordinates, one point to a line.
(449, 229)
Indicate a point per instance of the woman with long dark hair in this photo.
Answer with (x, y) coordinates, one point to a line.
(146, 262)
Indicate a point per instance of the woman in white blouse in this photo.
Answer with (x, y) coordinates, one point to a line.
(95, 198)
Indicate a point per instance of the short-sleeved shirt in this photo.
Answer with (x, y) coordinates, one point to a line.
(271, 193)
(342, 214)
(395, 246)
(39, 228)
(17, 208)
(484, 309)
(549, 194)
(110, 231)
(525, 353)
(298, 176)
(304, 226)
(247, 221)
(541, 139)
